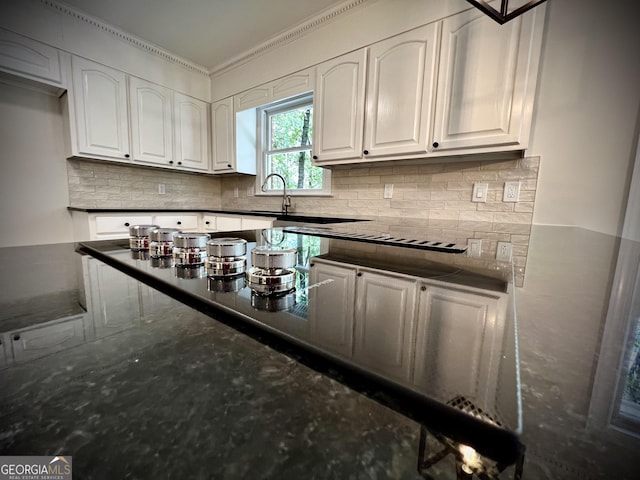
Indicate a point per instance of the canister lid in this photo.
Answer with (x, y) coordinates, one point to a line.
(142, 230)
(163, 234)
(191, 240)
(227, 247)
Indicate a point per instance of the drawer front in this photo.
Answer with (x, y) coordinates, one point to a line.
(49, 338)
(209, 223)
(183, 222)
(118, 226)
(226, 224)
(249, 223)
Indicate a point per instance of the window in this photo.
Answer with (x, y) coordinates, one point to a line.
(286, 146)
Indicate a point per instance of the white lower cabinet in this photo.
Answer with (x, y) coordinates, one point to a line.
(227, 224)
(44, 339)
(104, 227)
(114, 298)
(459, 334)
(331, 306)
(384, 323)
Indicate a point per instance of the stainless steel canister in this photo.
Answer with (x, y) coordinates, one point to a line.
(139, 236)
(190, 249)
(161, 244)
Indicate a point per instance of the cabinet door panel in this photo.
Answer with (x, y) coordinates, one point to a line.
(483, 81)
(46, 339)
(399, 93)
(151, 122)
(458, 332)
(191, 127)
(331, 307)
(222, 127)
(384, 324)
(339, 108)
(100, 99)
(29, 58)
(115, 301)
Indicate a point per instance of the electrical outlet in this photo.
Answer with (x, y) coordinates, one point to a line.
(161, 189)
(504, 251)
(474, 247)
(511, 192)
(480, 191)
(388, 190)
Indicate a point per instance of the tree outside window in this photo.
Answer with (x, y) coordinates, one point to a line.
(288, 130)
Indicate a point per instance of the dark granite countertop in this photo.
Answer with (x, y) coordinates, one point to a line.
(177, 394)
(290, 217)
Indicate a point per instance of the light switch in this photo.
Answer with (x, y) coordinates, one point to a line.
(388, 190)
(480, 191)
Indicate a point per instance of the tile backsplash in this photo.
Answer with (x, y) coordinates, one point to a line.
(433, 198)
(94, 184)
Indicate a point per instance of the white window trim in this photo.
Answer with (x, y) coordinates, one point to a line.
(261, 140)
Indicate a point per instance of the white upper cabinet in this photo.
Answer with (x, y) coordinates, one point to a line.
(399, 93)
(191, 125)
(486, 81)
(98, 111)
(339, 107)
(30, 59)
(222, 151)
(151, 123)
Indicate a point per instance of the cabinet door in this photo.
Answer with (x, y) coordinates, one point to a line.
(115, 302)
(331, 306)
(151, 122)
(191, 120)
(485, 92)
(400, 83)
(45, 339)
(458, 346)
(29, 58)
(339, 108)
(101, 121)
(222, 151)
(384, 324)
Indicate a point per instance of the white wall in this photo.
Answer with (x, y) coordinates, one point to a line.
(33, 183)
(586, 115)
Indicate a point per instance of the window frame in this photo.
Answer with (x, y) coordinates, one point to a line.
(262, 148)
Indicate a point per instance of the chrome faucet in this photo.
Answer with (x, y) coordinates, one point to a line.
(286, 199)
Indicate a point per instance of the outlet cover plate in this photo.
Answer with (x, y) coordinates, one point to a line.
(504, 251)
(511, 192)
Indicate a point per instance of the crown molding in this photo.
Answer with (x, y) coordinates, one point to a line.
(127, 37)
(289, 35)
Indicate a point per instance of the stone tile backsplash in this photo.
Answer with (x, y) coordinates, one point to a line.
(94, 184)
(434, 198)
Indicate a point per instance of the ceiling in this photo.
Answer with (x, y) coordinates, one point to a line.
(205, 32)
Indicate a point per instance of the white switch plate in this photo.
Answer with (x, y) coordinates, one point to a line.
(161, 189)
(235, 192)
(480, 191)
(474, 247)
(511, 192)
(504, 251)
(388, 190)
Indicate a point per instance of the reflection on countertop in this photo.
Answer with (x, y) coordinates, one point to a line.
(211, 402)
